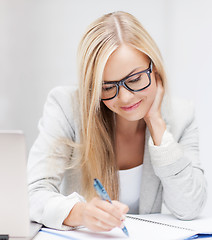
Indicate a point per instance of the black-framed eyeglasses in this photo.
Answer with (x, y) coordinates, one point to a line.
(135, 82)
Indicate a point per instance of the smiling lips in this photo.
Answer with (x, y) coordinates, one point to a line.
(132, 107)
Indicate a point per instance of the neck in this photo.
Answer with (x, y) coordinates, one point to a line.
(129, 128)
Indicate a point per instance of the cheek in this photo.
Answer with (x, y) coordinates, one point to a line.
(109, 104)
(150, 92)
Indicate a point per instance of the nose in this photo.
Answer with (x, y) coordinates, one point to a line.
(125, 95)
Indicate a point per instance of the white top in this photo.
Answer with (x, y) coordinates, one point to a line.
(130, 188)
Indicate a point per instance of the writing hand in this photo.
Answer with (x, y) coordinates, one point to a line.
(97, 215)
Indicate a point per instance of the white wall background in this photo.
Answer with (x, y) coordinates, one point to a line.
(39, 39)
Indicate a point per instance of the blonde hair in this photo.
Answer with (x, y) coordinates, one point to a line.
(103, 37)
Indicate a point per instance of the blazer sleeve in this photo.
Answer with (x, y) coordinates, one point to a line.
(45, 171)
(176, 162)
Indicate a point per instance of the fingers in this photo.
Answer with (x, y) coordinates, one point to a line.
(158, 80)
(160, 91)
(101, 215)
(154, 112)
(107, 213)
(116, 209)
(121, 206)
(158, 77)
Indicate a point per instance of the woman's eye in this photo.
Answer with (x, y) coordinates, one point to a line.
(135, 79)
(104, 88)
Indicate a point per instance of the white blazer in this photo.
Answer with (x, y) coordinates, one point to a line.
(171, 172)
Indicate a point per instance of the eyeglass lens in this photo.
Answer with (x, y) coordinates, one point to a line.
(136, 82)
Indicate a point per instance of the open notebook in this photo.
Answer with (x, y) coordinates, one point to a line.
(147, 227)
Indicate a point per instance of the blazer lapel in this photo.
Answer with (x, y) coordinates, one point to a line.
(149, 183)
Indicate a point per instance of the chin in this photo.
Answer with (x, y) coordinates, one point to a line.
(132, 117)
(136, 115)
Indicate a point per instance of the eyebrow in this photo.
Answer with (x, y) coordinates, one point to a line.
(128, 75)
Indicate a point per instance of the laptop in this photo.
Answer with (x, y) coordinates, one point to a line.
(14, 202)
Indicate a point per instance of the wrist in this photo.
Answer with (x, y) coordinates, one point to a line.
(75, 216)
(157, 127)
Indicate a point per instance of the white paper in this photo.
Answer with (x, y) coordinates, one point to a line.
(137, 230)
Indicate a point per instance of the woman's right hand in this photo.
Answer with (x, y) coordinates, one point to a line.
(97, 215)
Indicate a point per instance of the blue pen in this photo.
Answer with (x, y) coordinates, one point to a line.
(104, 196)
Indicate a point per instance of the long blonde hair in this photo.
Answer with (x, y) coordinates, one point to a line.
(103, 37)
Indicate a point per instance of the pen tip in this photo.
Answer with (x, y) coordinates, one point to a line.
(124, 229)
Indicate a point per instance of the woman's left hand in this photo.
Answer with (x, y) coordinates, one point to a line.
(153, 117)
(155, 109)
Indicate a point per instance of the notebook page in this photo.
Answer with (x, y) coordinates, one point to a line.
(202, 224)
(137, 230)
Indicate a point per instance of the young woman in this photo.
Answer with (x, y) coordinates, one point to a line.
(121, 127)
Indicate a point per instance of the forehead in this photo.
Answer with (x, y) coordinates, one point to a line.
(123, 61)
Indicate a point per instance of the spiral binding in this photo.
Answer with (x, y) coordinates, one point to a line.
(159, 223)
